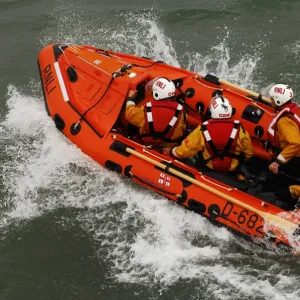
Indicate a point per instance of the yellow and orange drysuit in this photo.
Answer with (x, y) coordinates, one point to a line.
(284, 135)
(198, 142)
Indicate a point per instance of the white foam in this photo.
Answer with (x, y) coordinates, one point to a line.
(218, 61)
(138, 33)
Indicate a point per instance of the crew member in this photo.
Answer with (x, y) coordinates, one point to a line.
(284, 136)
(219, 141)
(162, 121)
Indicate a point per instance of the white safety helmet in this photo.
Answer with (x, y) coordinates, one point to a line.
(281, 93)
(161, 88)
(220, 108)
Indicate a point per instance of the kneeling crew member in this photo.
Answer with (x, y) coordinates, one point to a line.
(218, 141)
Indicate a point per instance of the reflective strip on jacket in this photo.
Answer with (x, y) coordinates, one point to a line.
(161, 119)
(136, 116)
(195, 142)
(284, 132)
(220, 146)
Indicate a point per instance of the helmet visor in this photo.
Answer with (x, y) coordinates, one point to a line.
(149, 85)
(266, 90)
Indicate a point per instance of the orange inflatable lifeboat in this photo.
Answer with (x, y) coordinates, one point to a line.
(85, 89)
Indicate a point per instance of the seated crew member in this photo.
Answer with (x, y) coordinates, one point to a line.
(284, 137)
(218, 142)
(162, 121)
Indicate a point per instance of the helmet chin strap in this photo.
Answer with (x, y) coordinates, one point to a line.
(280, 106)
(168, 98)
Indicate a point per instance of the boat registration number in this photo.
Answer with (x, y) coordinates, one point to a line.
(243, 217)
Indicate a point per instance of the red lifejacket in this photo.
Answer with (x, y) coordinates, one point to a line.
(291, 110)
(161, 119)
(220, 140)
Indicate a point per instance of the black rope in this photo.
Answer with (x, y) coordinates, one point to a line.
(124, 70)
(156, 62)
(103, 51)
(83, 115)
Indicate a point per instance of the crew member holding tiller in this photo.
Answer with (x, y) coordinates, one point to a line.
(218, 142)
(284, 136)
(162, 121)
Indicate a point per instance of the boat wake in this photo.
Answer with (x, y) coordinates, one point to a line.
(146, 238)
